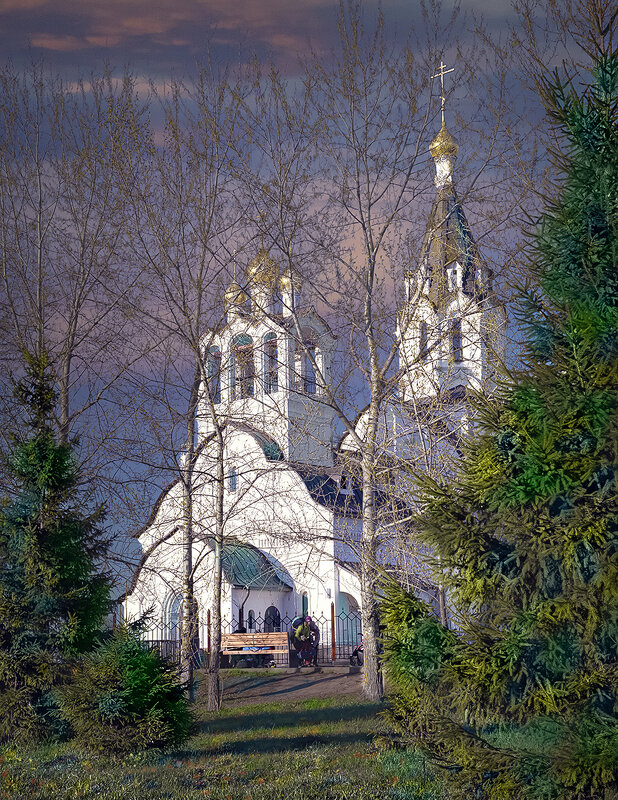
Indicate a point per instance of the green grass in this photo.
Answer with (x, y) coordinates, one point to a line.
(318, 749)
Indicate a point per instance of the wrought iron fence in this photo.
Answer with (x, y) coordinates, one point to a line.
(339, 636)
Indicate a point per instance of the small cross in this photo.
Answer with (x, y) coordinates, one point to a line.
(234, 260)
(440, 74)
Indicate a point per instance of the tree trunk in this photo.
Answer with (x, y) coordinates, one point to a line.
(64, 380)
(189, 626)
(214, 659)
(187, 633)
(442, 604)
(372, 678)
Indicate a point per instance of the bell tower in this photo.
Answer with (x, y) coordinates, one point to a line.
(451, 327)
(269, 364)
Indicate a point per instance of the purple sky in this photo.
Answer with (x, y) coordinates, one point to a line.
(163, 37)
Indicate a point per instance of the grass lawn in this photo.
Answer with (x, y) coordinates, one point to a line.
(318, 748)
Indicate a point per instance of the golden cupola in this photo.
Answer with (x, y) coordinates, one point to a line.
(262, 270)
(443, 150)
(235, 297)
(444, 145)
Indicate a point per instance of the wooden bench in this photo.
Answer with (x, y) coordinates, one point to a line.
(240, 644)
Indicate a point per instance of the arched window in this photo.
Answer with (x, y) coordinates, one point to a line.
(232, 480)
(456, 340)
(272, 620)
(304, 362)
(309, 382)
(422, 341)
(242, 367)
(277, 303)
(271, 364)
(251, 620)
(173, 623)
(213, 372)
(305, 599)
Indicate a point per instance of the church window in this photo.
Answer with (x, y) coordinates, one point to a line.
(174, 617)
(272, 620)
(271, 364)
(213, 371)
(423, 341)
(309, 382)
(305, 599)
(232, 480)
(251, 620)
(242, 367)
(172, 625)
(456, 340)
(277, 303)
(305, 363)
(296, 297)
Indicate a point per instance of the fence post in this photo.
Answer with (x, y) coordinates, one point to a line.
(332, 632)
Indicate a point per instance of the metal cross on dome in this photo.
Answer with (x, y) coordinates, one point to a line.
(440, 74)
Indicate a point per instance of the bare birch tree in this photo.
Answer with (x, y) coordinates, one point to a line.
(185, 212)
(67, 284)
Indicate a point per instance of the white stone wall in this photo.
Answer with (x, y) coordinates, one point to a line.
(270, 509)
(482, 328)
(301, 423)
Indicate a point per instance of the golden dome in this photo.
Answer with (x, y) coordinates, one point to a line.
(234, 295)
(444, 144)
(262, 269)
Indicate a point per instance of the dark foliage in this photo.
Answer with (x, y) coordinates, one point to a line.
(522, 701)
(123, 697)
(52, 597)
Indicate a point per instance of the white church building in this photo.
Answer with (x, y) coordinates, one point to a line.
(291, 511)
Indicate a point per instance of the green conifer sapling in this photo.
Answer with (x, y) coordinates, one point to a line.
(53, 596)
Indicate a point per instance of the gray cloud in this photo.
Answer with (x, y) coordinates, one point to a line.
(158, 37)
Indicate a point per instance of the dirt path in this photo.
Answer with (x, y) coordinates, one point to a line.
(265, 687)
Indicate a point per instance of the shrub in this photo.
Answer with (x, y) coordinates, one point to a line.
(53, 598)
(124, 697)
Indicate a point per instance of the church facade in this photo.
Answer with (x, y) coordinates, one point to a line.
(292, 514)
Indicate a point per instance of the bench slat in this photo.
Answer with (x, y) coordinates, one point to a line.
(238, 643)
(249, 650)
(242, 638)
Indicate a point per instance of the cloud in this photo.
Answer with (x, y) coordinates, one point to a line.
(8, 6)
(163, 35)
(66, 25)
(50, 41)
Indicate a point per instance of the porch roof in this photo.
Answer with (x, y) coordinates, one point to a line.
(246, 567)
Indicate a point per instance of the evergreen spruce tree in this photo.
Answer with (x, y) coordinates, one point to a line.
(52, 596)
(520, 700)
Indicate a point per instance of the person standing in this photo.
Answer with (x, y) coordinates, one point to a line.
(315, 637)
